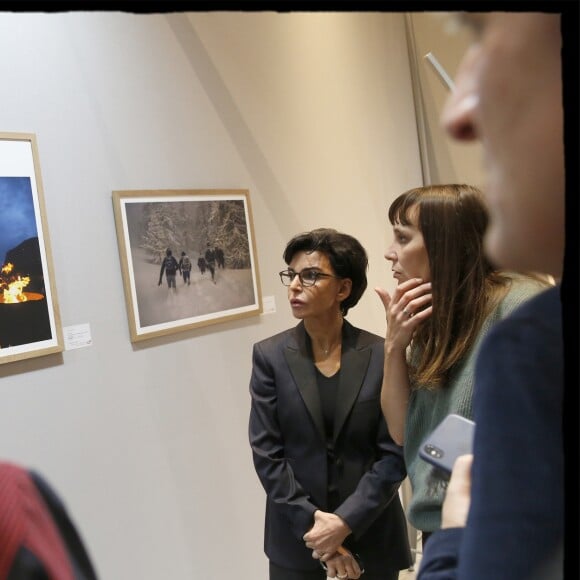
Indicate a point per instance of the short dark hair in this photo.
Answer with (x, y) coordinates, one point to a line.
(347, 257)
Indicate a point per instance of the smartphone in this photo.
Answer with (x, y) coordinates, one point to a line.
(450, 439)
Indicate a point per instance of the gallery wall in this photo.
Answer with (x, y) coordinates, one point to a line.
(445, 160)
(314, 115)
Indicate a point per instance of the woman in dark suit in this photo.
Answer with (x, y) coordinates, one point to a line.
(320, 444)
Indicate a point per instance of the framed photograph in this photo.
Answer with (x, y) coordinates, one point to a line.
(29, 317)
(188, 258)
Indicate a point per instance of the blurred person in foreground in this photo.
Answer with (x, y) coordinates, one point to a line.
(503, 515)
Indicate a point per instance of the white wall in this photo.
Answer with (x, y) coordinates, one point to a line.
(312, 113)
(448, 161)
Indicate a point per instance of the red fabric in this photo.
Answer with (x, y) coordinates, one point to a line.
(25, 521)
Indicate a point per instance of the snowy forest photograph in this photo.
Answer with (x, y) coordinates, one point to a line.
(188, 258)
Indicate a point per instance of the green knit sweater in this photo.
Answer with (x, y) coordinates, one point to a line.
(427, 408)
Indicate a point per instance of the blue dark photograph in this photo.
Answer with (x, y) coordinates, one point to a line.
(24, 314)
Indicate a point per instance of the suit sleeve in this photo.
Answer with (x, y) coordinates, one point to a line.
(267, 444)
(516, 517)
(518, 460)
(439, 561)
(377, 487)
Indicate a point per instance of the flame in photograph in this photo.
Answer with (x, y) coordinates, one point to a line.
(13, 287)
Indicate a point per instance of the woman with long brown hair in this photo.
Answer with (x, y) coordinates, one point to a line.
(448, 297)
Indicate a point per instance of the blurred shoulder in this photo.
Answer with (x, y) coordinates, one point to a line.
(536, 325)
(541, 310)
(522, 288)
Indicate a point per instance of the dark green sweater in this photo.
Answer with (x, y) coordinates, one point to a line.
(427, 408)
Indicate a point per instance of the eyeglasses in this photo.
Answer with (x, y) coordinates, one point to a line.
(308, 276)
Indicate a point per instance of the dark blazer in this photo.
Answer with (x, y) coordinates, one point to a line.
(291, 457)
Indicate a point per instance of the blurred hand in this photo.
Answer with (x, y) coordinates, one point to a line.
(458, 496)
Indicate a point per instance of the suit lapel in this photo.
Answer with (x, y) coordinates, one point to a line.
(301, 367)
(353, 367)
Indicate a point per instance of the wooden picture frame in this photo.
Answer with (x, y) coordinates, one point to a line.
(195, 224)
(29, 316)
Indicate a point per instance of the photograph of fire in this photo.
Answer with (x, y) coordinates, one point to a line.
(24, 312)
